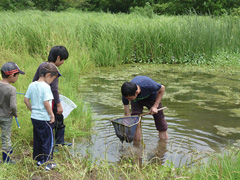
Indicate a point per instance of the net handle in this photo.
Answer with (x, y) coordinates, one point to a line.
(149, 112)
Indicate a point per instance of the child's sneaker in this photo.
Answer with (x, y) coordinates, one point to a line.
(48, 167)
(51, 166)
(39, 163)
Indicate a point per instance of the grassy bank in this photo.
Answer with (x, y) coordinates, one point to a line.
(217, 167)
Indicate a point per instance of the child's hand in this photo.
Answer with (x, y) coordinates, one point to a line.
(52, 120)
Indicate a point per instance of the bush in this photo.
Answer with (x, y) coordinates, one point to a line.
(146, 11)
(235, 12)
(14, 5)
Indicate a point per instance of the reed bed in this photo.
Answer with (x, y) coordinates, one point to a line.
(102, 39)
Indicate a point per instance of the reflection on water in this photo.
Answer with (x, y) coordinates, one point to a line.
(198, 101)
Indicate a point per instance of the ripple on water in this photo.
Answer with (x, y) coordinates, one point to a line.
(201, 103)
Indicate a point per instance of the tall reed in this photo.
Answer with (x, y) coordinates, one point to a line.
(106, 39)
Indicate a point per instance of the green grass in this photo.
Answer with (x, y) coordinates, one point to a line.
(101, 39)
(78, 123)
(218, 166)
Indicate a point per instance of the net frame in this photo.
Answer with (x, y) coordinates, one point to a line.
(67, 104)
(139, 118)
(125, 132)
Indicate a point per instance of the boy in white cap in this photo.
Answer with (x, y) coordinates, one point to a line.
(8, 106)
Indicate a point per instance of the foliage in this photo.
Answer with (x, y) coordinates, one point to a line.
(50, 5)
(215, 7)
(235, 12)
(116, 6)
(173, 7)
(16, 4)
(146, 11)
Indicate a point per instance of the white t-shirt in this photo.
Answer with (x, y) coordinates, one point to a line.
(38, 92)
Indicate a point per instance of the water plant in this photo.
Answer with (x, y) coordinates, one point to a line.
(104, 39)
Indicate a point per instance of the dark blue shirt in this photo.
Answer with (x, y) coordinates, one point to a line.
(148, 88)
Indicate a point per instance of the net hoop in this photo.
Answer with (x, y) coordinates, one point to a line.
(67, 104)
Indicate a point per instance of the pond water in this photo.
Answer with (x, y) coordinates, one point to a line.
(203, 113)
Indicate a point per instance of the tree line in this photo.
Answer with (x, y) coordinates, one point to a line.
(171, 7)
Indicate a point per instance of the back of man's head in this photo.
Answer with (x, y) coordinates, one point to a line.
(57, 51)
(128, 89)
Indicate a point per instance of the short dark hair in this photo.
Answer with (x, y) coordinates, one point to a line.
(57, 51)
(6, 76)
(49, 68)
(128, 89)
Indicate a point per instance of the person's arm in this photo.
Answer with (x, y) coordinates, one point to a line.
(49, 110)
(59, 108)
(126, 106)
(13, 102)
(54, 88)
(159, 96)
(36, 76)
(126, 110)
(28, 104)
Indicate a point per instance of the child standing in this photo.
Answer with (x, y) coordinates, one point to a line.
(40, 94)
(8, 106)
(57, 56)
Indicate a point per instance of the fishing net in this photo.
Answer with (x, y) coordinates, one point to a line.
(125, 127)
(67, 105)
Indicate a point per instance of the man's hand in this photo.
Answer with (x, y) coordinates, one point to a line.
(59, 108)
(153, 110)
(160, 93)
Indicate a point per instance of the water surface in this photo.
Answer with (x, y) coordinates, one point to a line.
(203, 113)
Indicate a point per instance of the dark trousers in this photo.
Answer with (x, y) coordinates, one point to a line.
(42, 140)
(159, 118)
(58, 126)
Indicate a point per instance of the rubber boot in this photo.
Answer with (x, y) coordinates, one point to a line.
(6, 157)
(59, 136)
